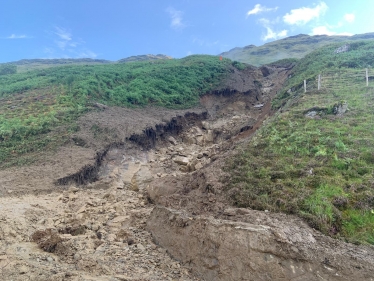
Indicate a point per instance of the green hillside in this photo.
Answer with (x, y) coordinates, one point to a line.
(321, 167)
(291, 47)
(34, 104)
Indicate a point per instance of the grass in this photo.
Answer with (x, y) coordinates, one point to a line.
(320, 169)
(35, 105)
(295, 47)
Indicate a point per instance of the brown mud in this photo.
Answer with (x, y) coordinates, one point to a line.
(87, 212)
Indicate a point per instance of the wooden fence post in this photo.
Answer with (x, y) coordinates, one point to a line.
(367, 78)
(319, 82)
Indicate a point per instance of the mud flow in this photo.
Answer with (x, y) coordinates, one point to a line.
(139, 194)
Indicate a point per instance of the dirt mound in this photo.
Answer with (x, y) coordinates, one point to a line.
(271, 247)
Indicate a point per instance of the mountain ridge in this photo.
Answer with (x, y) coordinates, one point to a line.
(296, 46)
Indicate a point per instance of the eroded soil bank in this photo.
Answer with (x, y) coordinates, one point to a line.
(88, 211)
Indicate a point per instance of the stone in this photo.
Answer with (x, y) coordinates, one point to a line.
(181, 160)
(23, 269)
(140, 247)
(200, 140)
(141, 179)
(72, 196)
(120, 219)
(172, 140)
(209, 137)
(198, 166)
(82, 209)
(205, 125)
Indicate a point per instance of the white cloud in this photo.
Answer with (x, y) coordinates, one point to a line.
(270, 33)
(67, 46)
(87, 54)
(304, 15)
(176, 18)
(324, 30)
(63, 33)
(259, 9)
(349, 17)
(274, 35)
(15, 36)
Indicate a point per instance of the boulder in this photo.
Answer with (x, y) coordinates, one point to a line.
(180, 160)
(172, 140)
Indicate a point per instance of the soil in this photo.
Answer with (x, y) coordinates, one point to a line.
(81, 213)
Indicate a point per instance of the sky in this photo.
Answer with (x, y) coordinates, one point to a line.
(115, 29)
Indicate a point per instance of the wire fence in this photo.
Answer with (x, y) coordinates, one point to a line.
(340, 80)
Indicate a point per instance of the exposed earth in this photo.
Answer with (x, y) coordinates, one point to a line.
(138, 194)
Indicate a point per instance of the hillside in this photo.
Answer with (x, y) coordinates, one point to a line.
(189, 169)
(291, 47)
(35, 104)
(316, 166)
(33, 64)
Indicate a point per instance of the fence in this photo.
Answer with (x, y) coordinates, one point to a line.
(340, 79)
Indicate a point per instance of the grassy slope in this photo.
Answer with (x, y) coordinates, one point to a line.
(320, 169)
(35, 105)
(290, 47)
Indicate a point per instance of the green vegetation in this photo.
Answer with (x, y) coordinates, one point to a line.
(34, 105)
(291, 47)
(7, 69)
(359, 56)
(318, 168)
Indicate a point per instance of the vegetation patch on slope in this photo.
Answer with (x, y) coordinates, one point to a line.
(37, 108)
(317, 167)
(291, 47)
(360, 55)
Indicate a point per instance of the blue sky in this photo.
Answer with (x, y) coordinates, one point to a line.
(114, 29)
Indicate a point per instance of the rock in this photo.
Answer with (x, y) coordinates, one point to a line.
(340, 108)
(141, 179)
(172, 140)
(200, 140)
(205, 125)
(120, 219)
(209, 137)
(188, 139)
(181, 160)
(73, 189)
(23, 269)
(311, 114)
(82, 209)
(198, 166)
(72, 196)
(200, 155)
(140, 247)
(342, 49)
(230, 212)
(111, 237)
